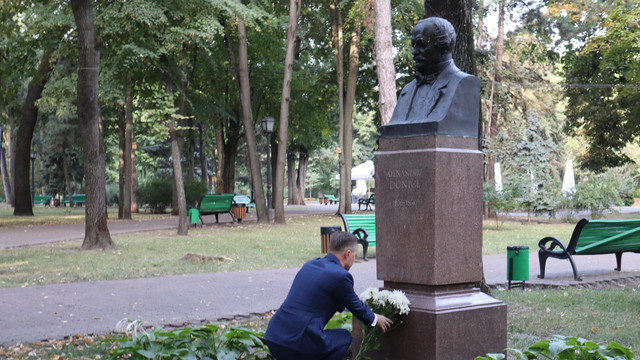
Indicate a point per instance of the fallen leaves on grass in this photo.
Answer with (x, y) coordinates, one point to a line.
(51, 349)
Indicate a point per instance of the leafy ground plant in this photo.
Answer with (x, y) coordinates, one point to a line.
(211, 341)
(600, 315)
(568, 348)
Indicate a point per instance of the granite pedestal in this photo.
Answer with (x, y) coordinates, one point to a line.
(429, 231)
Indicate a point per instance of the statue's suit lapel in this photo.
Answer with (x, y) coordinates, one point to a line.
(407, 98)
(437, 90)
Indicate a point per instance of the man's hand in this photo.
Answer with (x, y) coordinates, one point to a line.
(384, 323)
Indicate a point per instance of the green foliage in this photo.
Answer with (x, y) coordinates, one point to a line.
(343, 320)
(625, 184)
(598, 193)
(606, 110)
(525, 151)
(212, 341)
(503, 201)
(572, 348)
(155, 193)
(568, 348)
(52, 174)
(193, 190)
(113, 194)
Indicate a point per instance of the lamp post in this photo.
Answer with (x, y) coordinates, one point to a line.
(267, 127)
(33, 183)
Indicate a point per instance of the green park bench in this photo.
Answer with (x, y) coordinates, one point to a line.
(78, 199)
(332, 199)
(45, 200)
(363, 226)
(367, 202)
(592, 237)
(215, 204)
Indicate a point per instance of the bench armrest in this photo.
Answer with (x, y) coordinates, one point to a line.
(549, 243)
(361, 234)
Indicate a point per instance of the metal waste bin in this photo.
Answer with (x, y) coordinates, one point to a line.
(517, 265)
(325, 236)
(239, 211)
(194, 216)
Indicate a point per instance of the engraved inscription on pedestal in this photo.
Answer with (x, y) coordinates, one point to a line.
(427, 201)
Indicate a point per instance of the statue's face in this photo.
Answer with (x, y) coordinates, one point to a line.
(425, 53)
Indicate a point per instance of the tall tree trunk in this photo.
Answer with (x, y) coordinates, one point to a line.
(384, 60)
(247, 119)
(184, 87)
(337, 30)
(121, 146)
(292, 175)
(191, 153)
(283, 136)
(221, 159)
(204, 176)
(128, 143)
(354, 63)
(183, 225)
(493, 125)
(68, 178)
(96, 233)
(3, 170)
(226, 182)
(302, 175)
(134, 178)
(11, 151)
(21, 191)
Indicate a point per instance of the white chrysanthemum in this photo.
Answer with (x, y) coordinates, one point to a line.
(383, 297)
(370, 293)
(400, 301)
(130, 327)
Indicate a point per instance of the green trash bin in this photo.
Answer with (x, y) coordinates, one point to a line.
(194, 216)
(517, 265)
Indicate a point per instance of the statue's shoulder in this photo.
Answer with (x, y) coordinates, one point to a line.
(409, 87)
(455, 72)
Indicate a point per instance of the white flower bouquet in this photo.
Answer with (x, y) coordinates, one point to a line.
(392, 304)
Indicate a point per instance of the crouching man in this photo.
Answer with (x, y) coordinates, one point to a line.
(322, 287)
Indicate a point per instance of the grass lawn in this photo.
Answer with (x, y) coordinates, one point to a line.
(47, 215)
(248, 246)
(601, 315)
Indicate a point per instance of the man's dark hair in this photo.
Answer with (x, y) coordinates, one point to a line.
(444, 35)
(341, 241)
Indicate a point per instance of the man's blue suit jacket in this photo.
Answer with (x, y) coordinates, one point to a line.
(320, 289)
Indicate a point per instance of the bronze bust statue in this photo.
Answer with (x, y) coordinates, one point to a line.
(442, 99)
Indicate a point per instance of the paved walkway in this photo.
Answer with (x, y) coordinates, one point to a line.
(54, 311)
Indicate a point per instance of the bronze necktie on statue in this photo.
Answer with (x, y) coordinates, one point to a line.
(429, 211)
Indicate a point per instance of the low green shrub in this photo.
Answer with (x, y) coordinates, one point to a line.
(597, 194)
(156, 194)
(568, 348)
(113, 194)
(193, 190)
(503, 201)
(212, 341)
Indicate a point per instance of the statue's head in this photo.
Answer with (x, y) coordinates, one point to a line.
(433, 40)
